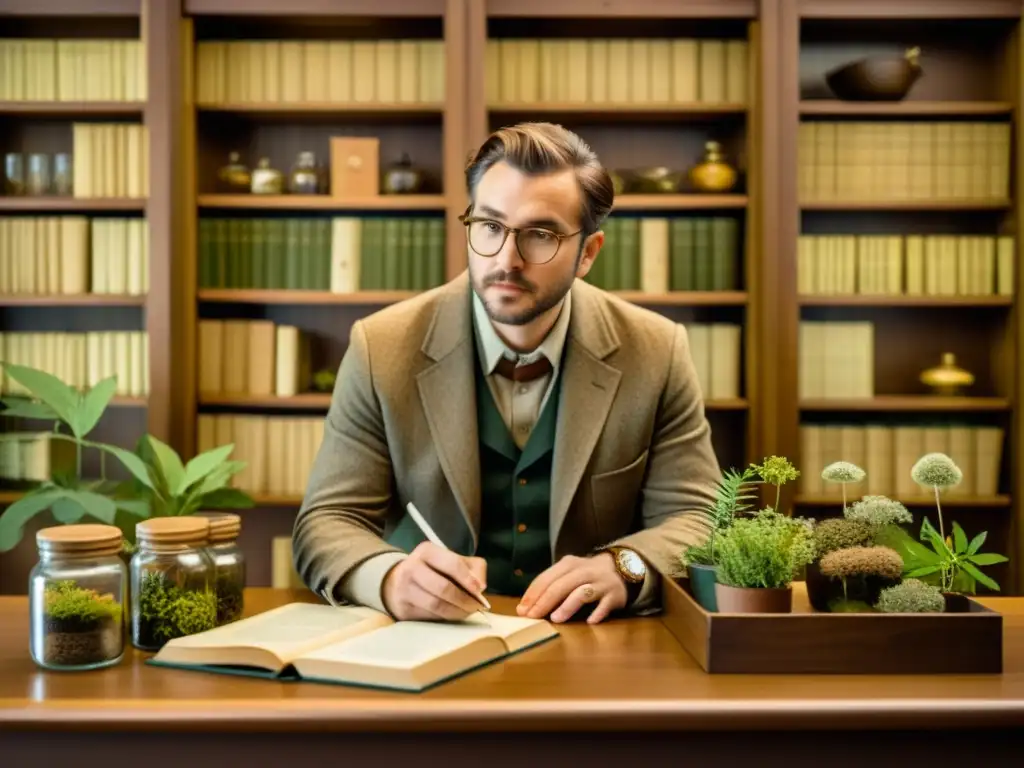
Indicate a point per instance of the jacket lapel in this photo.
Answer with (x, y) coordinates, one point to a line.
(448, 394)
(588, 391)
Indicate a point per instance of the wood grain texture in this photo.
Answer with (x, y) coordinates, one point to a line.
(45, 203)
(72, 108)
(906, 108)
(910, 9)
(909, 403)
(621, 676)
(633, 9)
(883, 300)
(324, 202)
(70, 7)
(315, 8)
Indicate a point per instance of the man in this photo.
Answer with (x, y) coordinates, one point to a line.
(553, 436)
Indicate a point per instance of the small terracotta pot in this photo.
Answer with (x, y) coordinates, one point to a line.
(753, 599)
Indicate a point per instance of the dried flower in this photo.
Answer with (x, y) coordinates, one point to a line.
(862, 561)
(879, 511)
(911, 596)
(842, 472)
(936, 470)
(840, 533)
(776, 470)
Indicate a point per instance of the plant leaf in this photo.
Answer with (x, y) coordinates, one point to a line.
(959, 538)
(924, 571)
(979, 576)
(976, 542)
(47, 387)
(25, 408)
(218, 478)
(92, 405)
(136, 507)
(987, 559)
(914, 553)
(13, 519)
(227, 498)
(202, 465)
(98, 506)
(67, 511)
(134, 464)
(168, 462)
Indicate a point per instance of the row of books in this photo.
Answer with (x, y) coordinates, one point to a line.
(903, 161)
(658, 254)
(835, 359)
(110, 160)
(35, 457)
(80, 359)
(73, 255)
(908, 265)
(616, 71)
(717, 353)
(887, 453)
(252, 357)
(320, 71)
(46, 69)
(278, 450)
(342, 254)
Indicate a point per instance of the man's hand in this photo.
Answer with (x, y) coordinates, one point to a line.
(433, 584)
(572, 582)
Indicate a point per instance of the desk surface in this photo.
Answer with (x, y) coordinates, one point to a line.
(625, 675)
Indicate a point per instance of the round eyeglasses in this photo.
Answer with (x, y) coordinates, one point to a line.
(536, 245)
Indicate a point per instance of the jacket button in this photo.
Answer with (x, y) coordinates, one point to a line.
(522, 481)
(518, 571)
(521, 527)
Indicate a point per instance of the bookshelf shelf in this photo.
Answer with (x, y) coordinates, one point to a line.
(833, 108)
(73, 108)
(678, 202)
(950, 302)
(75, 8)
(617, 113)
(368, 111)
(909, 403)
(966, 204)
(325, 202)
(686, 298)
(68, 204)
(230, 296)
(72, 300)
(990, 502)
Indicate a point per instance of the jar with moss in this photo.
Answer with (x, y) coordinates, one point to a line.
(77, 593)
(172, 581)
(228, 564)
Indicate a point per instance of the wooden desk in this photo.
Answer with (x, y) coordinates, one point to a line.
(610, 694)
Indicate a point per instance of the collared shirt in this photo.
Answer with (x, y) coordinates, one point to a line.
(520, 403)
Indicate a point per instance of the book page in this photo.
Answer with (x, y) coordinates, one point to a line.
(284, 632)
(516, 631)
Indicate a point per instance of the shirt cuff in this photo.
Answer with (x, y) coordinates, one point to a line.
(363, 585)
(646, 602)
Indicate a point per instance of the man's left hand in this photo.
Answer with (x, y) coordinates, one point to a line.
(571, 583)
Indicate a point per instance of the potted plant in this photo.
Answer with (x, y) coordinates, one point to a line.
(758, 558)
(732, 497)
(83, 627)
(68, 496)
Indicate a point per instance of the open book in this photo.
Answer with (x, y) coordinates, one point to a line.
(353, 645)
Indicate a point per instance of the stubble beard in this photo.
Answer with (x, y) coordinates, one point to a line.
(543, 301)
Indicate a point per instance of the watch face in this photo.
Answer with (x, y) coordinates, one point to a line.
(632, 563)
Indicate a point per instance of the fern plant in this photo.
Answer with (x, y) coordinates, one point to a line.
(733, 496)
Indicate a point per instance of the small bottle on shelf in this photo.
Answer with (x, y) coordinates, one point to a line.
(172, 581)
(77, 593)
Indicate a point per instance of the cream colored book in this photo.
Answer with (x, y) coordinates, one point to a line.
(353, 645)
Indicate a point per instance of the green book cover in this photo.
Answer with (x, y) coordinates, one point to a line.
(629, 254)
(292, 254)
(723, 246)
(258, 271)
(681, 260)
(436, 250)
(420, 254)
(405, 255)
(274, 263)
(702, 255)
(390, 274)
(371, 255)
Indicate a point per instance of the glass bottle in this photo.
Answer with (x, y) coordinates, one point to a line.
(171, 581)
(304, 179)
(63, 177)
(14, 174)
(38, 174)
(266, 180)
(235, 177)
(77, 595)
(228, 563)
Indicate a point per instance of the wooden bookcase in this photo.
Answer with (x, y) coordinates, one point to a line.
(927, 184)
(789, 44)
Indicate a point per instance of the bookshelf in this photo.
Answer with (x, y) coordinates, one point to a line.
(215, 249)
(898, 243)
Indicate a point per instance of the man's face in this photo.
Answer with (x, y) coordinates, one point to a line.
(513, 290)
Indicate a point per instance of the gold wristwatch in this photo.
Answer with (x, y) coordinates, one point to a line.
(631, 568)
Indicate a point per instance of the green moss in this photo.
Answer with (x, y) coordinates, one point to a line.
(911, 596)
(166, 611)
(66, 601)
(839, 533)
(229, 597)
(764, 551)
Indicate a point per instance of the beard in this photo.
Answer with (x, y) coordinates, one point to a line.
(524, 307)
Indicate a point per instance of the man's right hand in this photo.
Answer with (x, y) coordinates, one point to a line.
(434, 584)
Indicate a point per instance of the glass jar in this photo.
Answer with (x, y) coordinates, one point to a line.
(38, 175)
(77, 598)
(171, 581)
(228, 564)
(63, 177)
(304, 178)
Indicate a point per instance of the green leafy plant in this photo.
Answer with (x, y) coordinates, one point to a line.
(837, 533)
(911, 596)
(166, 610)
(69, 497)
(733, 496)
(765, 551)
(777, 471)
(842, 472)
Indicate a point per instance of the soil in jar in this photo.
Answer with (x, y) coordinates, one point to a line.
(81, 627)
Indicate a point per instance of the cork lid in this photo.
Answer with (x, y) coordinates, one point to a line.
(224, 526)
(162, 531)
(86, 539)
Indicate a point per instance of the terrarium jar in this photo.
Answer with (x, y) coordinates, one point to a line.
(172, 582)
(228, 564)
(77, 598)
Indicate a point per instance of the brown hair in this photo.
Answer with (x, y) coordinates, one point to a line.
(536, 148)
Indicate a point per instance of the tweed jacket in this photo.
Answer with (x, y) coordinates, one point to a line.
(633, 461)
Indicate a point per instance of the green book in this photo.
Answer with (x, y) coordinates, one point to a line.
(390, 275)
(702, 255)
(353, 645)
(420, 254)
(681, 256)
(258, 266)
(629, 254)
(723, 246)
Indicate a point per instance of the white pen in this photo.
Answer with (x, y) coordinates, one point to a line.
(434, 539)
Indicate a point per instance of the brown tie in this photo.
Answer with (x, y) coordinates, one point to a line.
(535, 370)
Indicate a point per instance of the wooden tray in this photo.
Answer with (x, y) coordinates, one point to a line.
(808, 642)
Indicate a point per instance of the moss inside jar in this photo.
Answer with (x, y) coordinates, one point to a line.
(82, 627)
